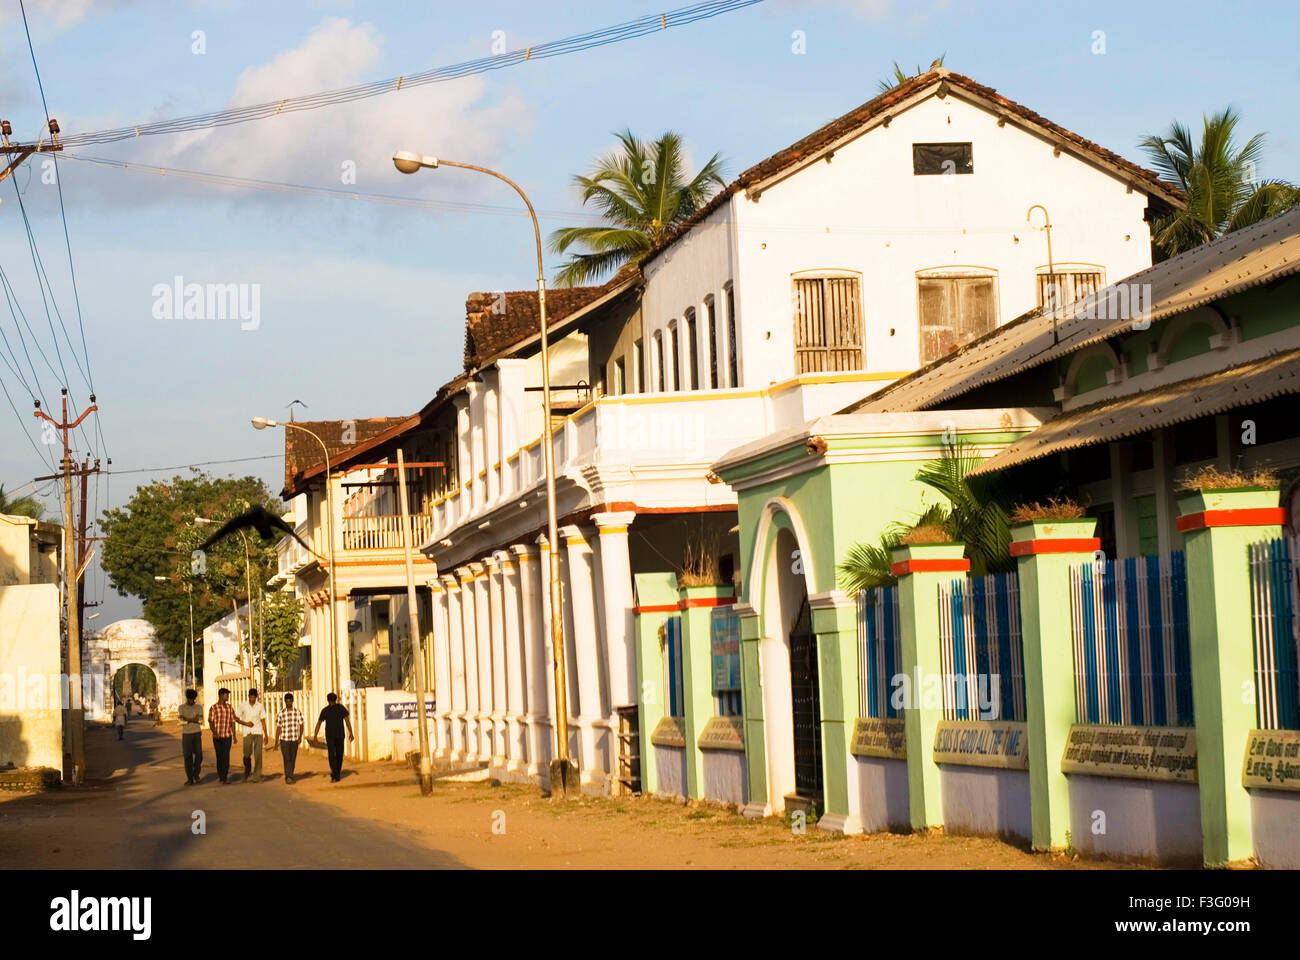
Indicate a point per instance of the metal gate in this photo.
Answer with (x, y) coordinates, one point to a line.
(805, 698)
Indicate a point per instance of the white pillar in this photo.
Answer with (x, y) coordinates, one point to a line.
(345, 642)
(536, 669)
(515, 751)
(492, 454)
(464, 458)
(483, 647)
(548, 654)
(469, 633)
(496, 633)
(456, 664)
(618, 606)
(441, 675)
(477, 446)
(582, 601)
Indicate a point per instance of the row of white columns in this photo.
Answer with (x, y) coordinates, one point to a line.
(493, 668)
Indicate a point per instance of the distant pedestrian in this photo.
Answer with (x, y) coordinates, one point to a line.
(335, 717)
(253, 716)
(221, 721)
(191, 717)
(119, 718)
(288, 733)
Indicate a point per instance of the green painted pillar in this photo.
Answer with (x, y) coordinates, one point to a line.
(1217, 527)
(920, 568)
(697, 605)
(835, 622)
(656, 601)
(751, 697)
(1044, 551)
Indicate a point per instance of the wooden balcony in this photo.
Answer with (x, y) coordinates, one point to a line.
(383, 532)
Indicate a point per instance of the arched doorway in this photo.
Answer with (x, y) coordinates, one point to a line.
(134, 680)
(128, 644)
(788, 655)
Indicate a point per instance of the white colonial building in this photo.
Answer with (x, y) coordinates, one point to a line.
(878, 243)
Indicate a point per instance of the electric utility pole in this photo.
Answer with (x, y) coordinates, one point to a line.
(70, 576)
(18, 152)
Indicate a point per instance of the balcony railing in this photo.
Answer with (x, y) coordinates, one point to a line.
(383, 532)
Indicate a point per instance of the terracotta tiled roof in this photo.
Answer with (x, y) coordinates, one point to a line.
(836, 129)
(302, 453)
(494, 322)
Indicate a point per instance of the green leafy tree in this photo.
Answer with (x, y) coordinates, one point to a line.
(27, 506)
(155, 535)
(901, 76)
(282, 622)
(642, 190)
(1221, 181)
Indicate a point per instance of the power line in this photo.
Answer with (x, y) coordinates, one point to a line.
(629, 30)
(72, 270)
(186, 466)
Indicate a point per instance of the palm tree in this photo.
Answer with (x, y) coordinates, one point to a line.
(901, 76)
(27, 506)
(1219, 180)
(642, 190)
(976, 514)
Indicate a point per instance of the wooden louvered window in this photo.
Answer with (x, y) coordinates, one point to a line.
(827, 324)
(733, 361)
(953, 312)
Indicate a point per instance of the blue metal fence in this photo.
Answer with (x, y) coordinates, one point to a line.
(1273, 602)
(1132, 652)
(980, 648)
(672, 640)
(880, 655)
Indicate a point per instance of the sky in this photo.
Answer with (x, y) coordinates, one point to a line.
(361, 306)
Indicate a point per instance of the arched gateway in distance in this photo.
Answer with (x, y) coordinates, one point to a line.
(118, 645)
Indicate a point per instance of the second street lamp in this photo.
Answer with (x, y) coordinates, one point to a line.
(261, 423)
(564, 772)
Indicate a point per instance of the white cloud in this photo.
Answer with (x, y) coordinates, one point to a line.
(317, 147)
(63, 13)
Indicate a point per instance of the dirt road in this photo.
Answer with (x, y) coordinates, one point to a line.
(137, 812)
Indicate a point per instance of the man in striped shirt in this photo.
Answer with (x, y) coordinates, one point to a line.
(288, 731)
(221, 721)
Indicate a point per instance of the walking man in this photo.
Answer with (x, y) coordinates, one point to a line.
(190, 715)
(253, 716)
(221, 721)
(335, 717)
(288, 733)
(119, 718)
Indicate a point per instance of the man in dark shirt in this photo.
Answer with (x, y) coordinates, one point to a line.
(335, 718)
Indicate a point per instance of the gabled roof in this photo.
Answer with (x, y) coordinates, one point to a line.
(938, 81)
(303, 455)
(496, 322)
(1246, 258)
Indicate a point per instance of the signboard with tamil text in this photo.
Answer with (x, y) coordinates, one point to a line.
(1142, 753)
(405, 709)
(1272, 760)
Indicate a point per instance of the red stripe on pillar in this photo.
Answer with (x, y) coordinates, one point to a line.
(1246, 517)
(1024, 548)
(658, 608)
(930, 565)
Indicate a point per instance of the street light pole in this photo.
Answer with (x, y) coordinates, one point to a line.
(426, 763)
(564, 772)
(261, 423)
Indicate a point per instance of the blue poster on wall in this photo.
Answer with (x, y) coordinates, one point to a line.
(726, 650)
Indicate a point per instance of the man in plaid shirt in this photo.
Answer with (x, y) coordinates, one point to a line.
(288, 731)
(221, 720)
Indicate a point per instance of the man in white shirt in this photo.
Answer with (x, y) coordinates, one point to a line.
(119, 718)
(252, 715)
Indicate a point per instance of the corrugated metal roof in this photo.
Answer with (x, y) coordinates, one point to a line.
(1185, 400)
(1228, 265)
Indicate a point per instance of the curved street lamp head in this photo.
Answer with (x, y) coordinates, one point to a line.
(407, 161)
(261, 423)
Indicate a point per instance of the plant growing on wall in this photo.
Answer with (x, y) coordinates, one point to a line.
(976, 514)
(700, 556)
(1212, 478)
(365, 672)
